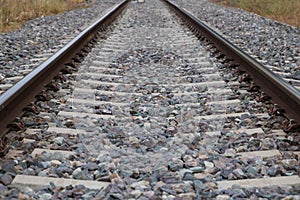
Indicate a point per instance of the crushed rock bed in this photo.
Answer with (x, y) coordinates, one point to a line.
(44, 35)
(272, 42)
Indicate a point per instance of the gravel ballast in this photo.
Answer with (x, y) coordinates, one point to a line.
(271, 42)
(24, 49)
(144, 88)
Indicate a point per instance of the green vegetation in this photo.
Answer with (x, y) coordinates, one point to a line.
(287, 11)
(14, 12)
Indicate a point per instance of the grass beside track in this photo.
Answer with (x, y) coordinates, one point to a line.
(286, 11)
(14, 12)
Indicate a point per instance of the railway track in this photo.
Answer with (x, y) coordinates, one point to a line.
(147, 111)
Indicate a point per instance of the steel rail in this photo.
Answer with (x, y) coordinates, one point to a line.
(20, 95)
(282, 93)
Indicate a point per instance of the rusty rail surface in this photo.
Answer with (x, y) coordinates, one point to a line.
(17, 97)
(282, 93)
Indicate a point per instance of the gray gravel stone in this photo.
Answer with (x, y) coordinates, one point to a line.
(6, 179)
(58, 140)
